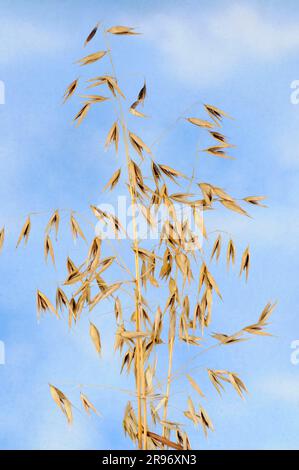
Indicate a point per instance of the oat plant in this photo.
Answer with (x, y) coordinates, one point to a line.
(168, 282)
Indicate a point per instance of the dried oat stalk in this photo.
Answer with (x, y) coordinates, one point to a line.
(177, 274)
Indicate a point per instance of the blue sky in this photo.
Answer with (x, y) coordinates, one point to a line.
(240, 56)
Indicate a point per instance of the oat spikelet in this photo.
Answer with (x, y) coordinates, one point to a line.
(82, 114)
(61, 299)
(139, 101)
(48, 249)
(76, 230)
(216, 248)
(87, 404)
(91, 58)
(44, 304)
(2, 238)
(138, 144)
(54, 223)
(92, 99)
(113, 136)
(137, 113)
(233, 206)
(70, 90)
(170, 172)
(111, 82)
(121, 30)
(62, 402)
(113, 180)
(230, 253)
(215, 113)
(266, 313)
(200, 123)
(245, 263)
(25, 232)
(118, 310)
(195, 386)
(91, 34)
(255, 200)
(95, 336)
(217, 151)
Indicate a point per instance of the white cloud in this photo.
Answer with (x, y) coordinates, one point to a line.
(209, 46)
(276, 226)
(281, 388)
(20, 38)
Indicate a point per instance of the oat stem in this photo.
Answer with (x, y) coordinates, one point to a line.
(169, 374)
(140, 376)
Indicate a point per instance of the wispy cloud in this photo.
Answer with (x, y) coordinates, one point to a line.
(209, 47)
(270, 227)
(281, 388)
(23, 39)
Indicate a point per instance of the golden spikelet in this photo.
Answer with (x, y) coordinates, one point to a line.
(62, 402)
(82, 114)
(245, 263)
(91, 34)
(76, 229)
(200, 123)
(48, 249)
(44, 304)
(2, 237)
(113, 136)
(25, 232)
(54, 223)
(138, 144)
(113, 180)
(121, 30)
(95, 337)
(70, 90)
(87, 405)
(91, 58)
